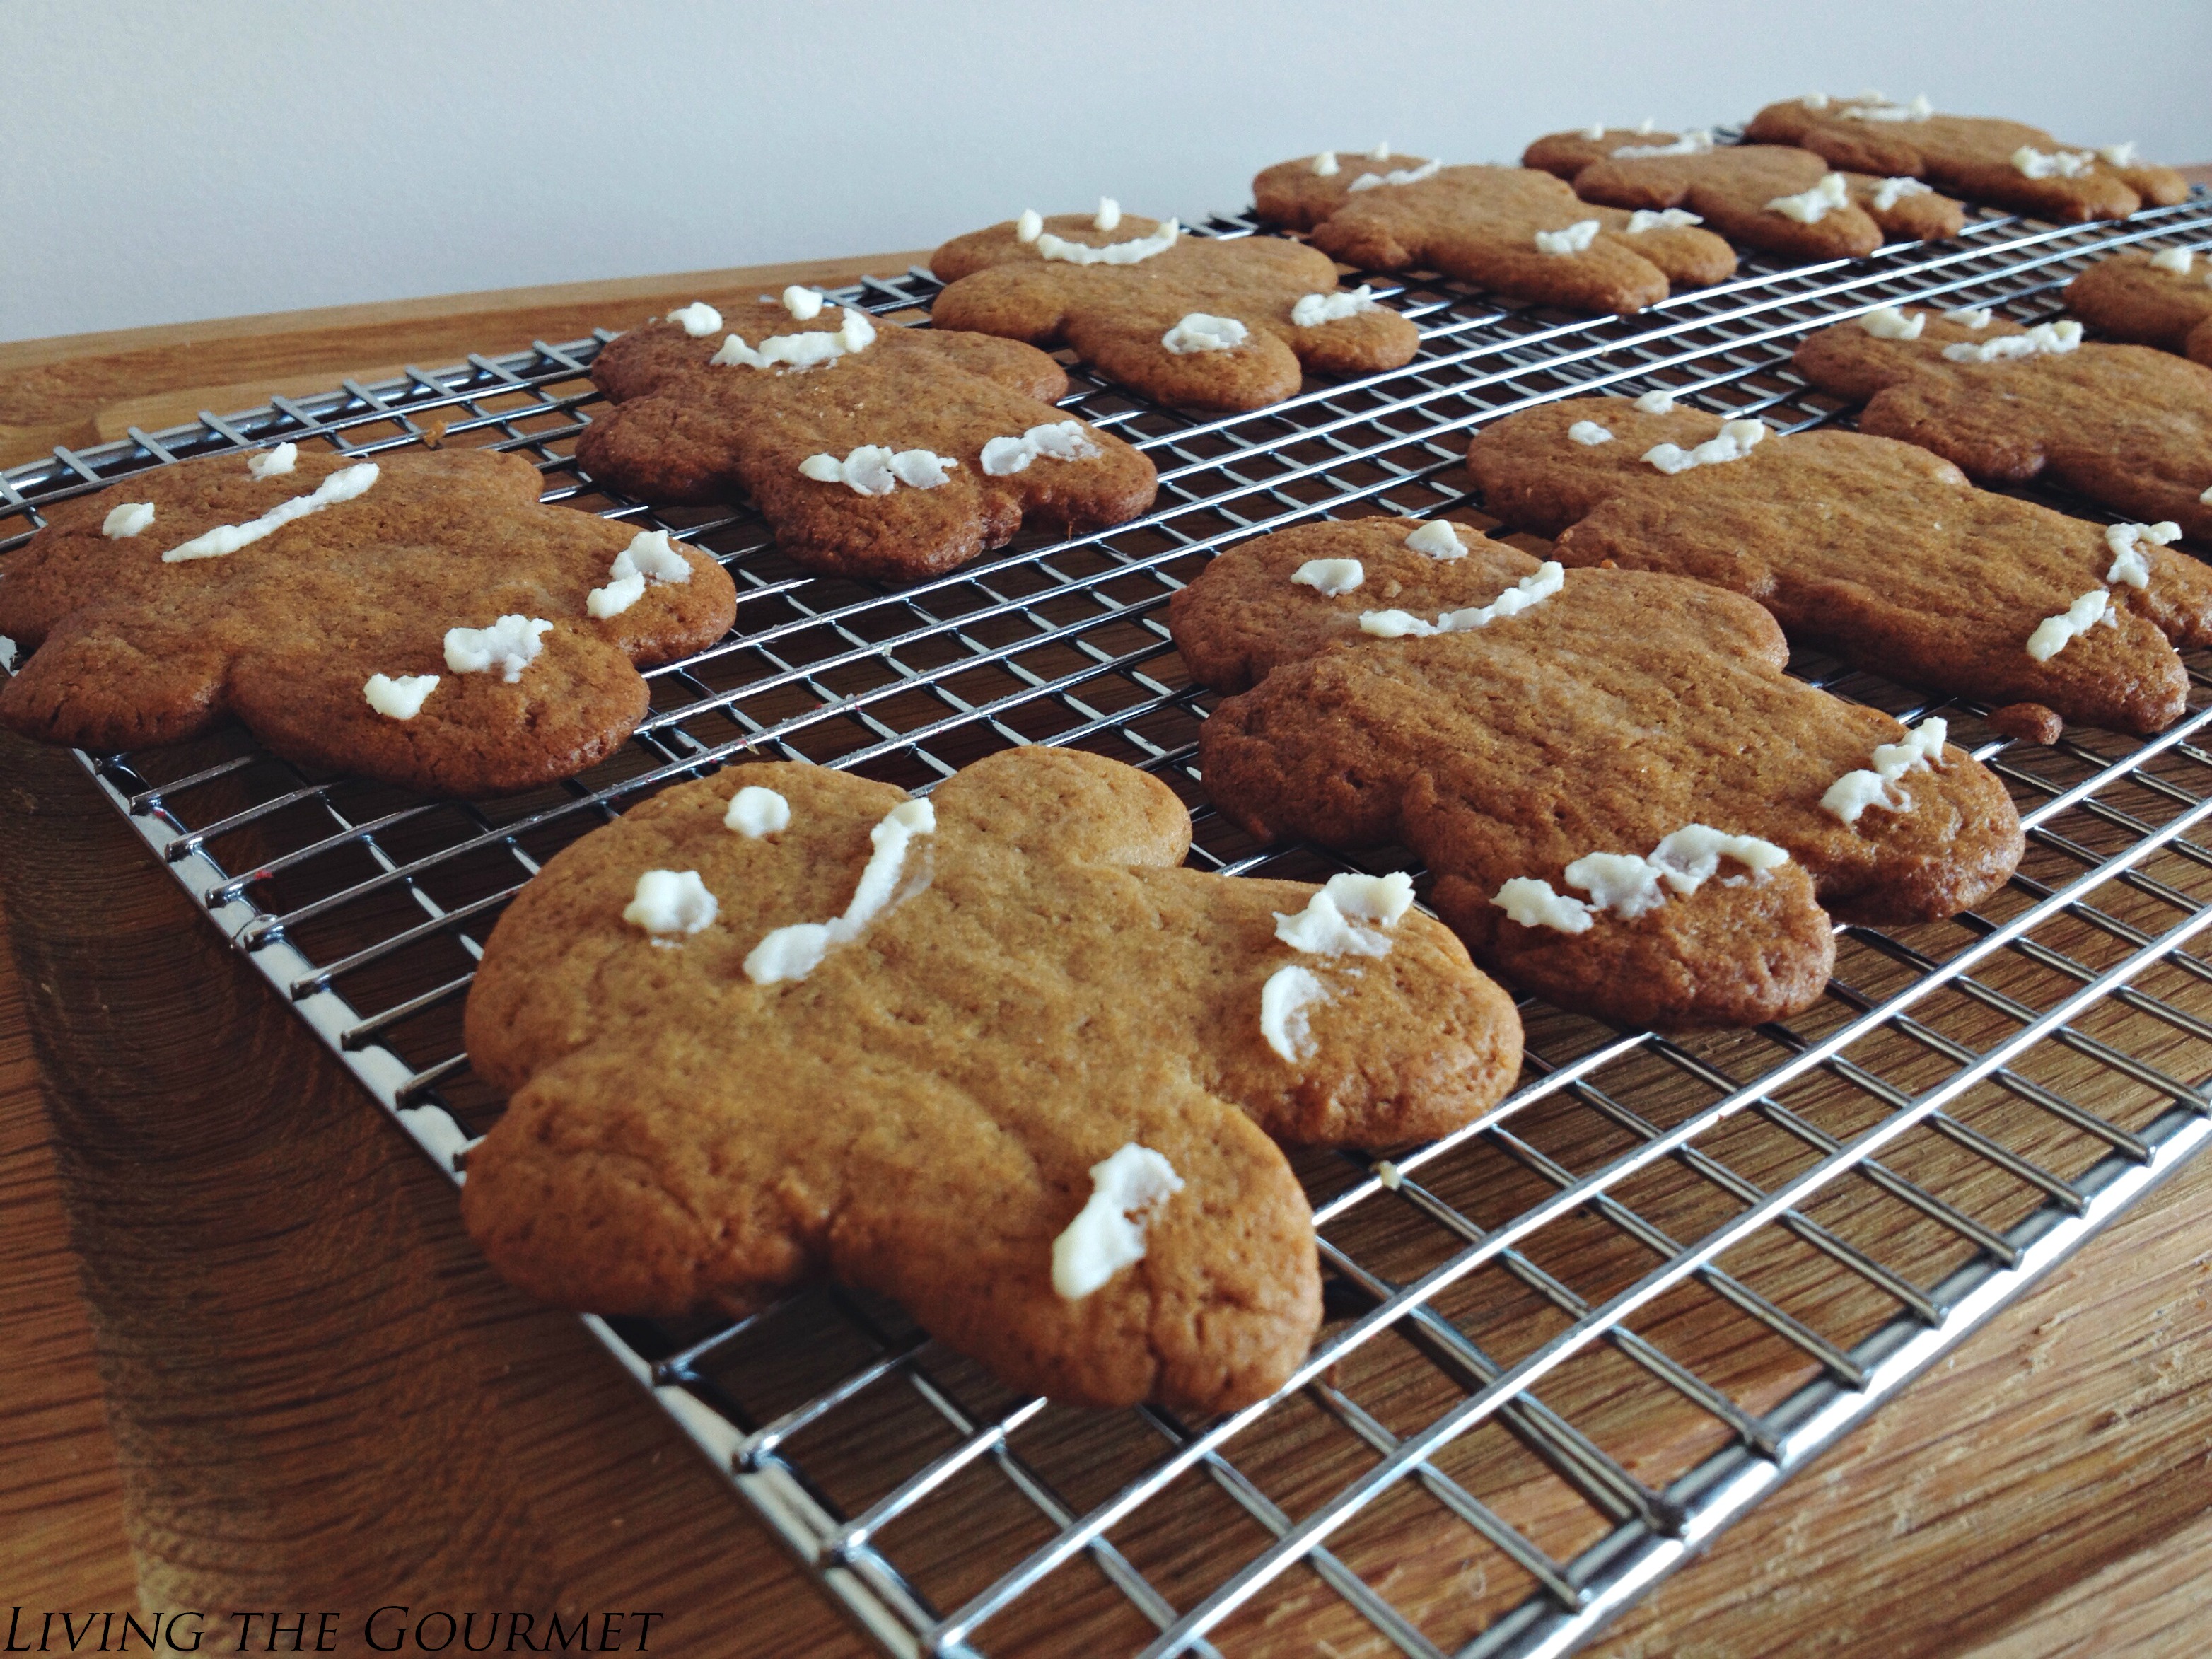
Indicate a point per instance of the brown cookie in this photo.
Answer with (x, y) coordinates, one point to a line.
(702, 1119)
(1481, 224)
(900, 453)
(1876, 549)
(1761, 196)
(320, 626)
(1980, 158)
(1194, 321)
(1613, 710)
(2154, 297)
(2125, 425)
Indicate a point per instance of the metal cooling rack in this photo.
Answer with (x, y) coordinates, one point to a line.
(1566, 1346)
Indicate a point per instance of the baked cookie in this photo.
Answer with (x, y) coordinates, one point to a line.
(1628, 806)
(419, 617)
(1763, 196)
(871, 450)
(992, 1053)
(2124, 425)
(2160, 298)
(1194, 321)
(1876, 549)
(1512, 230)
(1980, 158)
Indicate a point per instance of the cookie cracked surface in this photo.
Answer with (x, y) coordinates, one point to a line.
(286, 630)
(1732, 188)
(1601, 720)
(1873, 548)
(1965, 155)
(684, 429)
(1479, 224)
(918, 1113)
(2125, 425)
(1119, 317)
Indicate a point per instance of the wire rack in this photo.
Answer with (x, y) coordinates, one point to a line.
(1564, 1347)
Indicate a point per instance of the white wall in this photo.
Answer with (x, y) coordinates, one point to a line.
(165, 162)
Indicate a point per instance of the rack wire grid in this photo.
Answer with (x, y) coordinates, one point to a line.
(1563, 1347)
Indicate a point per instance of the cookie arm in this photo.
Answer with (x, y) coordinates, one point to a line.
(663, 449)
(1020, 302)
(87, 686)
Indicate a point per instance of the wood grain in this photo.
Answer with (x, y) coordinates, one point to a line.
(318, 1396)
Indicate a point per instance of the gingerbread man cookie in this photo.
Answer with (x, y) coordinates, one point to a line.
(871, 450)
(992, 1053)
(2125, 425)
(418, 617)
(1513, 230)
(2005, 163)
(1784, 200)
(1197, 322)
(2155, 297)
(1874, 548)
(1628, 806)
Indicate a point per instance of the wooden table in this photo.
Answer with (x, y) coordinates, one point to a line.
(254, 1364)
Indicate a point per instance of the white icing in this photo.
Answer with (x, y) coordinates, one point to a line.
(1109, 217)
(794, 952)
(803, 304)
(1975, 317)
(1108, 1234)
(2205, 500)
(344, 485)
(1313, 310)
(1114, 253)
(400, 699)
(1646, 127)
(1061, 441)
(2129, 563)
(1529, 591)
(1590, 433)
(755, 812)
(1388, 1174)
(1324, 164)
(2053, 634)
(1575, 239)
(1891, 192)
(1888, 323)
(2118, 155)
(1533, 904)
(1733, 441)
(1439, 539)
(1852, 793)
(650, 557)
(510, 645)
(1696, 142)
(1657, 403)
(1199, 331)
(1875, 107)
(1326, 926)
(1331, 576)
(671, 902)
(1397, 175)
(1381, 152)
(698, 319)
(1284, 1001)
(1814, 100)
(274, 463)
(2175, 259)
(1594, 130)
(127, 519)
(1645, 219)
(2057, 164)
(1028, 226)
(2054, 339)
(1809, 207)
(803, 351)
(874, 470)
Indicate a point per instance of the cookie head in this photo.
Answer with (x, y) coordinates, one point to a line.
(1193, 321)
(418, 617)
(992, 1053)
(871, 450)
